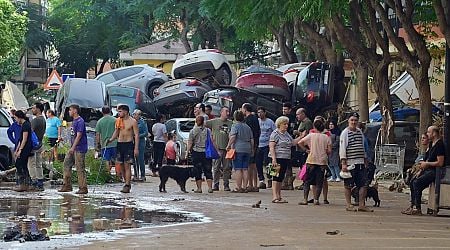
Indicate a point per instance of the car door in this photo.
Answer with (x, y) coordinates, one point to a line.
(107, 79)
(148, 106)
(133, 77)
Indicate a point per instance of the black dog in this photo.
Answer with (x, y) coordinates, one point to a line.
(179, 174)
(372, 192)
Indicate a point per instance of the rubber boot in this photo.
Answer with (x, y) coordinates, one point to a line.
(21, 188)
(67, 180)
(82, 185)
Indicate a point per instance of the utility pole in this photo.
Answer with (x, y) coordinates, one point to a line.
(447, 105)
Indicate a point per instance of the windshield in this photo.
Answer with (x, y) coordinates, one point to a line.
(302, 83)
(125, 92)
(186, 126)
(114, 101)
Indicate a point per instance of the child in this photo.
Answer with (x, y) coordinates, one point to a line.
(171, 149)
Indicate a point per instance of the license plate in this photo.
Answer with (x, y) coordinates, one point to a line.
(172, 87)
(261, 86)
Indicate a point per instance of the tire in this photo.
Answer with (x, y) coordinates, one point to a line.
(223, 75)
(152, 88)
(4, 161)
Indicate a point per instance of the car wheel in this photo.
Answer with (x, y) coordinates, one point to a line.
(4, 161)
(223, 75)
(151, 91)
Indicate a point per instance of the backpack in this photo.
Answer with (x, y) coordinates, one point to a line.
(35, 141)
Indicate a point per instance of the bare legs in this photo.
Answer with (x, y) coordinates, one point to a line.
(276, 190)
(241, 177)
(252, 176)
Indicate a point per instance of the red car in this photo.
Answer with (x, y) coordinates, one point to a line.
(270, 85)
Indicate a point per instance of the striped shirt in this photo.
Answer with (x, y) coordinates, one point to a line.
(283, 144)
(352, 146)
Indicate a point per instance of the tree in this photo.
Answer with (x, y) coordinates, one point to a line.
(442, 9)
(12, 35)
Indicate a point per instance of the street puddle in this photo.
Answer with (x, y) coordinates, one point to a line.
(76, 215)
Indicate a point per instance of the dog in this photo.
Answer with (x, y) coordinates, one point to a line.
(372, 192)
(179, 174)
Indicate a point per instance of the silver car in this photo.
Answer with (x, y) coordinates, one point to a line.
(143, 77)
(6, 146)
(181, 126)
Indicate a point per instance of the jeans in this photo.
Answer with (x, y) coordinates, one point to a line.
(221, 165)
(158, 155)
(23, 176)
(139, 167)
(334, 172)
(262, 159)
(419, 184)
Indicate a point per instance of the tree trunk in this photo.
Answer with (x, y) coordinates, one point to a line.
(102, 66)
(381, 81)
(219, 39)
(442, 9)
(362, 73)
(422, 85)
(184, 23)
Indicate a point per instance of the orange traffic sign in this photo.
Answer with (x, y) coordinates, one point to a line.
(54, 81)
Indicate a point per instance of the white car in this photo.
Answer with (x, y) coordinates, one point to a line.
(207, 65)
(6, 146)
(290, 71)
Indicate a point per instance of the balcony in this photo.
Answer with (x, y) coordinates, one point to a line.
(35, 70)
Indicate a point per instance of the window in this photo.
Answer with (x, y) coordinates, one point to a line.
(171, 125)
(137, 70)
(124, 73)
(4, 122)
(107, 79)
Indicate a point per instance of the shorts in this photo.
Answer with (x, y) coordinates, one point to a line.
(52, 141)
(108, 153)
(359, 177)
(125, 152)
(241, 161)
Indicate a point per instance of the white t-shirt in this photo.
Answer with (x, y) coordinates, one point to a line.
(158, 131)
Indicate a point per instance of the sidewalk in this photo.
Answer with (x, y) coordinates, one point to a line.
(236, 225)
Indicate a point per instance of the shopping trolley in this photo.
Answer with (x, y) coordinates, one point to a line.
(390, 159)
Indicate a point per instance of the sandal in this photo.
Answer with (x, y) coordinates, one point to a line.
(407, 211)
(364, 209)
(238, 190)
(415, 211)
(279, 201)
(350, 209)
(326, 202)
(198, 191)
(304, 203)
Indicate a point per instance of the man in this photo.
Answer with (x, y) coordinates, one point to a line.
(77, 153)
(220, 128)
(126, 131)
(267, 126)
(104, 130)
(287, 111)
(199, 109)
(353, 159)
(38, 125)
(252, 121)
(139, 166)
(208, 111)
(305, 125)
(434, 158)
(159, 132)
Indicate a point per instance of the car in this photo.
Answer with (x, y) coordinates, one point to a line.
(207, 65)
(403, 114)
(6, 146)
(233, 98)
(273, 86)
(406, 134)
(89, 94)
(290, 71)
(133, 97)
(141, 76)
(181, 126)
(260, 69)
(177, 97)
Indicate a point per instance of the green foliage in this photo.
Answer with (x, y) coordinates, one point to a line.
(97, 174)
(8, 65)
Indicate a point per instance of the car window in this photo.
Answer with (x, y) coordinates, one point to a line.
(137, 70)
(4, 122)
(186, 126)
(107, 79)
(124, 73)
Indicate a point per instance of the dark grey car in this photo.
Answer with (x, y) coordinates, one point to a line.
(143, 77)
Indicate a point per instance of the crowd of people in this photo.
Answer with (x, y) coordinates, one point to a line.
(246, 147)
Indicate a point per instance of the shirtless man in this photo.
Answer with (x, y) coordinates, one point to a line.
(126, 131)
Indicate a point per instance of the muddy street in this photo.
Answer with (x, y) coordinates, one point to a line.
(147, 219)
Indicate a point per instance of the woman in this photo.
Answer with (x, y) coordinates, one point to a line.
(139, 167)
(22, 152)
(241, 139)
(280, 143)
(319, 147)
(53, 131)
(196, 147)
(333, 160)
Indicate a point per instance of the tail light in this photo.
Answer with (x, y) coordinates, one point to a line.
(291, 71)
(214, 51)
(310, 96)
(138, 97)
(194, 82)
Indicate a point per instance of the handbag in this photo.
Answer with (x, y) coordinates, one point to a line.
(230, 154)
(210, 150)
(302, 173)
(273, 171)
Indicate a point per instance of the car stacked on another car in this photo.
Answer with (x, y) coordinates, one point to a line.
(208, 65)
(134, 98)
(143, 77)
(177, 97)
(290, 71)
(233, 98)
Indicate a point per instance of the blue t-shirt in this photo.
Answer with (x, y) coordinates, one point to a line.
(52, 127)
(78, 125)
(267, 127)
